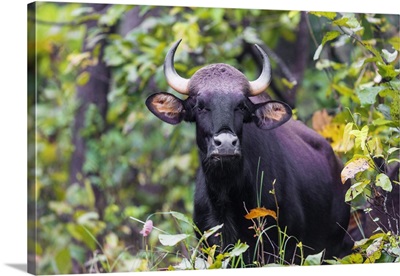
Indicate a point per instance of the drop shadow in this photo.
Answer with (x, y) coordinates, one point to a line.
(21, 267)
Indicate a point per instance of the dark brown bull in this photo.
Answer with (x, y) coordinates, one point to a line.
(240, 132)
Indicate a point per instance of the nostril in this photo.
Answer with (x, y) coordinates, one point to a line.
(225, 140)
(217, 142)
(234, 142)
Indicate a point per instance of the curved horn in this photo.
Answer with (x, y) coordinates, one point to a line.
(259, 85)
(178, 83)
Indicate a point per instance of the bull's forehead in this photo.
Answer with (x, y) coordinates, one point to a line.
(219, 78)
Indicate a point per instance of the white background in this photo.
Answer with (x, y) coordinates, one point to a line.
(13, 83)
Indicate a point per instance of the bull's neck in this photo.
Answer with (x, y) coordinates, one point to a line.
(226, 183)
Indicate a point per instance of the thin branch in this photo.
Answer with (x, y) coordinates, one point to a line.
(311, 32)
(357, 39)
(326, 70)
(281, 64)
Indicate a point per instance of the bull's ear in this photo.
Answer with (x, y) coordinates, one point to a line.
(166, 107)
(271, 114)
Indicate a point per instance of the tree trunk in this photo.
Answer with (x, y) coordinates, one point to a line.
(93, 92)
(296, 57)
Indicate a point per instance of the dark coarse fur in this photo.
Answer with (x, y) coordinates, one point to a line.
(308, 189)
(306, 172)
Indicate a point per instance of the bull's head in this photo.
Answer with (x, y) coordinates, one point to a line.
(219, 103)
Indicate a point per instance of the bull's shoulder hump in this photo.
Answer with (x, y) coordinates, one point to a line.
(298, 130)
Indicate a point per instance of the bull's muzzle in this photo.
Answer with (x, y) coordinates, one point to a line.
(225, 145)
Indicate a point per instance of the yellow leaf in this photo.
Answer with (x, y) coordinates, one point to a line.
(353, 167)
(361, 136)
(260, 212)
(320, 120)
(346, 136)
(333, 132)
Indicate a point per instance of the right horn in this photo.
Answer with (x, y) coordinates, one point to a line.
(259, 85)
(178, 83)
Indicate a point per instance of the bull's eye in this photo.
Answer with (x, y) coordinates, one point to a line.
(201, 107)
(241, 107)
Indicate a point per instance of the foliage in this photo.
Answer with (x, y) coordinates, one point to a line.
(369, 126)
(140, 165)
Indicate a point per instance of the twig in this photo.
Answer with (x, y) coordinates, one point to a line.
(327, 72)
(311, 32)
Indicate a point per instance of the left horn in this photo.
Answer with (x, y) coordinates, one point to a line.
(259, 85)
(178, 83)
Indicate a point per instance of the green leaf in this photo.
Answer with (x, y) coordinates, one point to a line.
(250, 35)
(211, 231)
(77, 252)
(341, 22)
(217, 15)
(383, 181)
(90, 194)
(395, 84)
(181, 217)
(112, 56)
(83, 78)
(330, 36)
(355, 190)
(387, 71)
(318, 52)
(239, 249)
(389, 56)
(391, 150)
(360, 243)
(132, 73)
(315, 259)
(60, 207)
(343, 89)
(88, 218)
(355, 258)
(113, 14)
(370, 46)
(348, 22)
(367, 95)
(361, 136)
(375, 146)
(79, 233)
(171, 240)
(395, 42)
(381, 122)
(393, 160)
(385, 110)
(329, 15)
(395, 109)
(63, 261)
(289, 84)
(81, 11)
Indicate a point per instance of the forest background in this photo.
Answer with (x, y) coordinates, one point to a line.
(149, 160)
